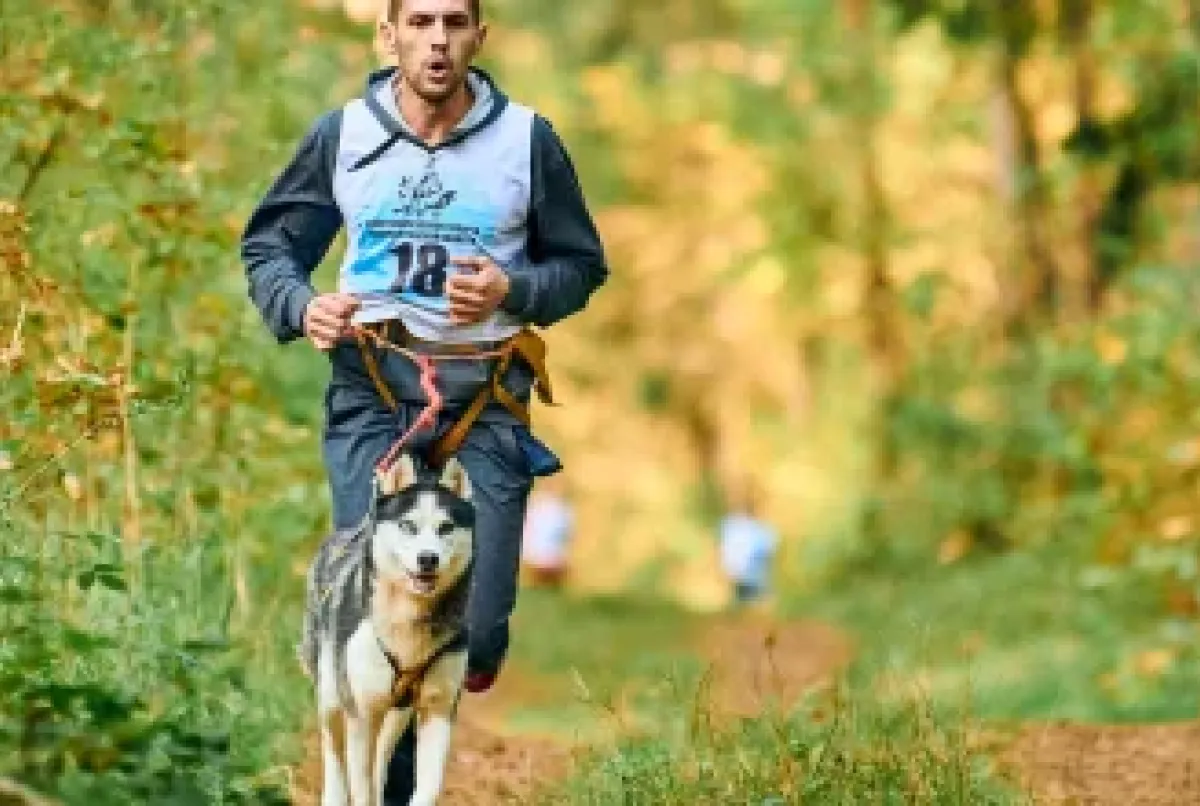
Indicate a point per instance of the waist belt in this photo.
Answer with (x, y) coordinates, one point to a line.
(524, 344)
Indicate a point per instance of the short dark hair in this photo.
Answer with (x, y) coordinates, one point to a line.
(394, 7)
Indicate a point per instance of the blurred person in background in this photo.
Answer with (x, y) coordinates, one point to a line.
(748, 545)
(549, 523)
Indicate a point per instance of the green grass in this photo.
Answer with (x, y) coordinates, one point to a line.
(625, 677)
(838, 752)
(1033, 634)
(941, 651)
(599, 663)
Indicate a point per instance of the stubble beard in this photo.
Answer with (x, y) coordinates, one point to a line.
(435, 97)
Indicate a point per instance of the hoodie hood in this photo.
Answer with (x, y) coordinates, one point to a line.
(379, 98)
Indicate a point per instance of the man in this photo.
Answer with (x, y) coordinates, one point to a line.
(549, 522)
(748, 546)
(466, 224)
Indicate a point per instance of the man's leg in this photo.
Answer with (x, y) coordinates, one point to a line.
(500, 484)
(360, 435)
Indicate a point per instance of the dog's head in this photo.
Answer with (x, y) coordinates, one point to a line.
(424, 529)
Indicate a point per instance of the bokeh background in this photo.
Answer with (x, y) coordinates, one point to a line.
(921, 272)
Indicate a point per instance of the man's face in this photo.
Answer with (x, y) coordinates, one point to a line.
(434, 42)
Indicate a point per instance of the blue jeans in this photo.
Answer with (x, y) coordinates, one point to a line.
(747, 592)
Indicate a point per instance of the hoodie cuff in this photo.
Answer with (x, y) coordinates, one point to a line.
(520, 294)
(297, 301)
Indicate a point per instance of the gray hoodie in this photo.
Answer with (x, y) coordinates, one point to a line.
(501, 184)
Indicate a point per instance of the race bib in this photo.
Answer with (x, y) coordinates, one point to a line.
(403, 256)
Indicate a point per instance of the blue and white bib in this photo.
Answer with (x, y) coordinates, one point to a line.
(409, 209)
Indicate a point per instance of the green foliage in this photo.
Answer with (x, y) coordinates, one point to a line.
(832, 752)
(159, 485)
(1045, 633)
(1035, 442)
(113, 708)
(149, 531)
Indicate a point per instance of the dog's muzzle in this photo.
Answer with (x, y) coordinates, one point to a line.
(427, 562)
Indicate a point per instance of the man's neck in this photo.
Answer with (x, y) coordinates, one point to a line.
(428, 121)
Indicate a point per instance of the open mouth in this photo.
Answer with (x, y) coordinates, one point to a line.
(423, 583)
(439, 70)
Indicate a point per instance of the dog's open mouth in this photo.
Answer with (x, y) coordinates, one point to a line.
(423, 583)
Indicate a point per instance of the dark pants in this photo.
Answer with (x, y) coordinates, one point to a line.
(747, 592)
(359, 430)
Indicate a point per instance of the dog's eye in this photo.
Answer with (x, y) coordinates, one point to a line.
(408, 527)
(445, 529)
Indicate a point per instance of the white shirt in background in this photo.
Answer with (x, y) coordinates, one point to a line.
(747, 546)
(548, 524)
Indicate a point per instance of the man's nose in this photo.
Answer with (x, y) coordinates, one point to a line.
(439, 36)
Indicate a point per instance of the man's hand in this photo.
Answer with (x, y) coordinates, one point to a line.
(477, 291)
(327, 318)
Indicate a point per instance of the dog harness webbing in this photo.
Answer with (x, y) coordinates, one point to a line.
(404, 677)
(526, 344)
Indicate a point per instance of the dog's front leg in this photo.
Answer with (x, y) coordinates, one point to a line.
(333, 752)
(359, 755)
(394, 724)
(436, 704)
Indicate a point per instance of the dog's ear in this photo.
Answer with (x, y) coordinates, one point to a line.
(402, 474)
(454, 478)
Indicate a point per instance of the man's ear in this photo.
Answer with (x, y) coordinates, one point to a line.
(385, 36)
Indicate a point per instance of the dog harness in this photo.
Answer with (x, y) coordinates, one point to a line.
(402, 688)
(524, 344)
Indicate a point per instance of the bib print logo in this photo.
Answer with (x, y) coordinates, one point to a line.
(406, 245)
(425, 197)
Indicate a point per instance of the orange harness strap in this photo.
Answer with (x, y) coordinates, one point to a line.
(373, 370)
(525, 343)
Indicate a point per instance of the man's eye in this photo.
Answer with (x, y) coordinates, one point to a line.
(445, 529)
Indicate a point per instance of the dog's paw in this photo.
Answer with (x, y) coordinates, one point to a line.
(479, 682)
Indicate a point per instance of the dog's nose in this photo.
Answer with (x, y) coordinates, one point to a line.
(427, 561)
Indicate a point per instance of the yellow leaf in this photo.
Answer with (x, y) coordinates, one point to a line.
(1154, 662)
(1176, 528)
(1111, 349)
(954, 548)
(73, 486)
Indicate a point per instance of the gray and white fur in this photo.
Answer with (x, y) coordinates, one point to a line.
(384, 632)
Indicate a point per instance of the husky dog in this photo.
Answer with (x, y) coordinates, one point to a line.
(385, 632)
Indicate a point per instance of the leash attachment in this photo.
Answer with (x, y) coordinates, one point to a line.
(525, 343)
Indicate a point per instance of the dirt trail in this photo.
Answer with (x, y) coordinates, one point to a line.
(754, 663)
(757, 663)
(1105, 765)
(486, 769)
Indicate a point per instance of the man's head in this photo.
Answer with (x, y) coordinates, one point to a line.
(434, 42)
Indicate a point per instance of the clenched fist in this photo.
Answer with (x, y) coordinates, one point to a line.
(327, 318)
(476, 292)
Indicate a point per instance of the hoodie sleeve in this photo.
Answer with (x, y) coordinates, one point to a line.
(289, 233)
(567, 261)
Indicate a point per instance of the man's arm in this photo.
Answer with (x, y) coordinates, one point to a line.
(291, 230)
(567, 258)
